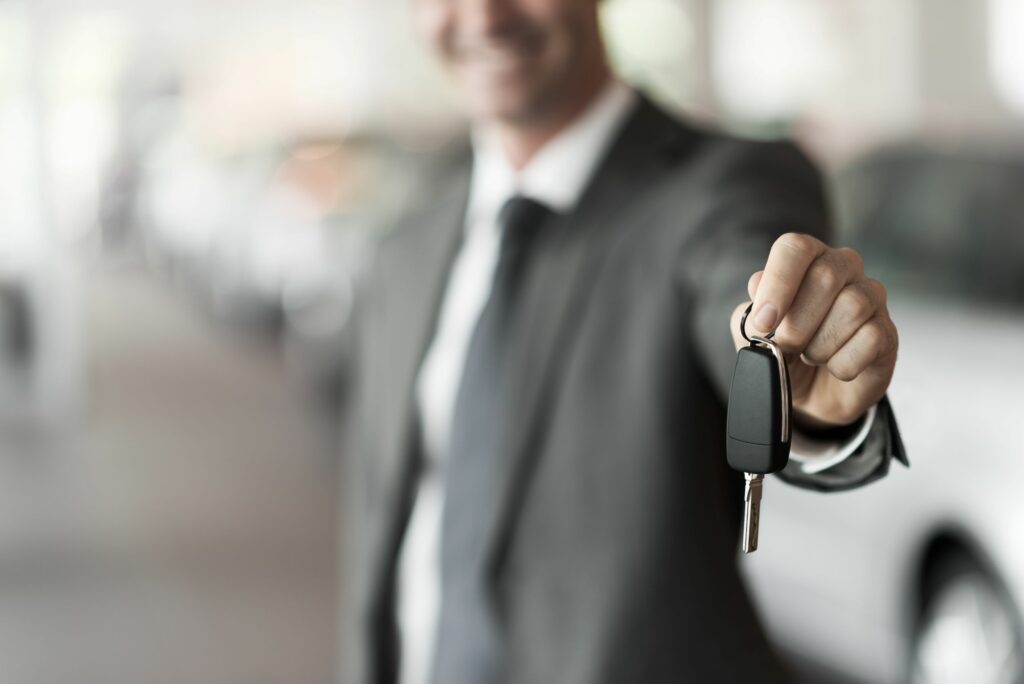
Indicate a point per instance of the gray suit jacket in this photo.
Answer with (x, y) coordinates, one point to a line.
(614, 543)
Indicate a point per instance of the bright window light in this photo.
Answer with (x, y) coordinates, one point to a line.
(1006, 50)
(651, 44)
(770, 58)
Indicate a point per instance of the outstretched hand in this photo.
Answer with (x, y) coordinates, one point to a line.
(832, 323)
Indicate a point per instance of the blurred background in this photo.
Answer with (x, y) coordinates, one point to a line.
(187, 190)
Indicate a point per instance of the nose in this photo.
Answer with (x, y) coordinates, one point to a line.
(487, 17)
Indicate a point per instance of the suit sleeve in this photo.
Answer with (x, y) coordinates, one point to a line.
(758, 191)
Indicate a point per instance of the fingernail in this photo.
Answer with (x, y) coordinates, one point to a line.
(765, 318)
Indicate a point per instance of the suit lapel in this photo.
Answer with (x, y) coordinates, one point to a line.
(414, 292)
(561, 276)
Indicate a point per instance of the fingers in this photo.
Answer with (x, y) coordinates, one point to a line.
(802, 308)
(826, 278)
(821, 299)
(874, 341)
(855, 305)
(821, 306)
(790, 257)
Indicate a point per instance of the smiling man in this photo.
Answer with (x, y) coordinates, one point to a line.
(538, 490)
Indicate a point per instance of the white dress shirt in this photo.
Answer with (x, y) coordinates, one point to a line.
(556, 177)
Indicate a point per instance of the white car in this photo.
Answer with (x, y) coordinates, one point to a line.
(920, 577)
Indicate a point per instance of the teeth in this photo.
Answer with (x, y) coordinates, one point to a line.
(497, 57)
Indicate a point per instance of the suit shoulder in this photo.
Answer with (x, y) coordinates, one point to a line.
(729, 158)
(712, 142)
(437, 182)
(716, 179)
(715, 159)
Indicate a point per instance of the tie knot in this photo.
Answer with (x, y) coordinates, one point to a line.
(519, 222)
(520, 217)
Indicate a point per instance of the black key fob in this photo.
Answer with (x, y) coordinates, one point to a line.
(760, 404)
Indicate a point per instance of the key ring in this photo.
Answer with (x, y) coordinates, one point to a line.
(743, 327)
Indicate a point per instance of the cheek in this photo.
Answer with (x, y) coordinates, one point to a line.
(569, 25)
(434, 22)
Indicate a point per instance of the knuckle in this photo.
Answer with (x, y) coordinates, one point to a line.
(876, 338)
(857, 303)
(878, 289)
(842, 368)
(890, 337)
(830, 339)
(798, 243)
(823, 276)
(852, 257)
(818, 354)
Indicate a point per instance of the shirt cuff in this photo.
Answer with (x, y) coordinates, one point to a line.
(868, 461)
(816, 455)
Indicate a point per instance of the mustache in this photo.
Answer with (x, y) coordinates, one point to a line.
(522, 37)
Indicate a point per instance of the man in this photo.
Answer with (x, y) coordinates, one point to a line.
(539, 484)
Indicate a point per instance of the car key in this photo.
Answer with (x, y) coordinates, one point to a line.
(758, 422)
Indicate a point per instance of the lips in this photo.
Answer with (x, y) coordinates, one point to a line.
(499, 57)
(496, 58)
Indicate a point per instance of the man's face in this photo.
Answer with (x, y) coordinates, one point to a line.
(516, 61)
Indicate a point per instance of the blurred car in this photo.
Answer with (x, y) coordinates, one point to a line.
(190, 207)
(318, 305)
(242, 232)
(40, 351)
(16, 331)
(920, 577)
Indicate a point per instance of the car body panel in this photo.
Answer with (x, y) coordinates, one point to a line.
(836, 575)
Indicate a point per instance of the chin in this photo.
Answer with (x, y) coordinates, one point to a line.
(505, 103)
(485, 107)
(512, 94)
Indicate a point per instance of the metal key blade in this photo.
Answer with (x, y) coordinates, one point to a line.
(751, 510)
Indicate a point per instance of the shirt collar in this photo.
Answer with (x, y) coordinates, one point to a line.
(558, 173)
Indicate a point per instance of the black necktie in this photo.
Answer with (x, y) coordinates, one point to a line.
(468, 650)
